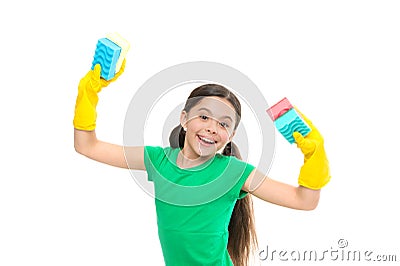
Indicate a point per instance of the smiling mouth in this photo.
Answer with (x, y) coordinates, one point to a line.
(206, 141)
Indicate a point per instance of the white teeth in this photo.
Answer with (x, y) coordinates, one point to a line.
(207, 140)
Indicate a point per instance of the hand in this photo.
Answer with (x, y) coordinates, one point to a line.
(315, 173)
(308, 144)
(105, 83)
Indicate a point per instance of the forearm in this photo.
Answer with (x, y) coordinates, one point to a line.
(84, 141)
(308, 198)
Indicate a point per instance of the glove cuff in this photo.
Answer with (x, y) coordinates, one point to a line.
(315, 172)
(85, 111)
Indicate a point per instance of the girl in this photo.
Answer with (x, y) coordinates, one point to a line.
(210, 221)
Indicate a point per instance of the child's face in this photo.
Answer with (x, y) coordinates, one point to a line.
(210, 126)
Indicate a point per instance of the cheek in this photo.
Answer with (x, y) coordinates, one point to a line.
(224, 136)
(194, 127)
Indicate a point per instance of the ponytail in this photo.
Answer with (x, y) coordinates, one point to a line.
(177, 137)
(242, 234)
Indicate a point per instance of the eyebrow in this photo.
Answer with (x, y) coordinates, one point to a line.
(209, 111)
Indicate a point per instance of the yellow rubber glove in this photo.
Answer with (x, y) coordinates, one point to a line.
(86, 101)
(314, 173)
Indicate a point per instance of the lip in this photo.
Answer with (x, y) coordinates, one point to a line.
(205, 143)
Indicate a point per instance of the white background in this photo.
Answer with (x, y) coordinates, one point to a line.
(338, 61)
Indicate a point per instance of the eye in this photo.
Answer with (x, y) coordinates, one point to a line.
(223, 124)
(203, 117)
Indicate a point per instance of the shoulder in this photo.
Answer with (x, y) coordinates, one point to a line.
(156, 154)
(157, 150)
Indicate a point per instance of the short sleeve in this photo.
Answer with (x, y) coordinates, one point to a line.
(152, 155)
(243, 169)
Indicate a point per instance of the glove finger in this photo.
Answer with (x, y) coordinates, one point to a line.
(314, 134)
(96, 71)
(298, 138)
(95, 78)
(105, 83)
(95, 74)
(306, 146)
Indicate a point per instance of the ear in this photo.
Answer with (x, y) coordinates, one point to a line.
(183, 119)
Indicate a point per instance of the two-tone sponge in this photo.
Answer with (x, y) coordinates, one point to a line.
(110, 53)
(287, 120)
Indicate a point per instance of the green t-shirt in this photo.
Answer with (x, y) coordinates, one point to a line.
(194, 205)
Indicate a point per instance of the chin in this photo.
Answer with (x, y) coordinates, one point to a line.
(206, 152)
(209, 151)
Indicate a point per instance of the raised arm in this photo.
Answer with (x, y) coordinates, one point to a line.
(85, 140)
(314, 174)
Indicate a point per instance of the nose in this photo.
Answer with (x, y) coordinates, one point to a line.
(212, 127)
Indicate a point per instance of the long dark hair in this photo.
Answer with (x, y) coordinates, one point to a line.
(242, 234)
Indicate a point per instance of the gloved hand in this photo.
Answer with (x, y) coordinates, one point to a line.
(314, 173)
(86, 101)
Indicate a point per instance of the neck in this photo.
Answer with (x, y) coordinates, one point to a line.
(186, 160)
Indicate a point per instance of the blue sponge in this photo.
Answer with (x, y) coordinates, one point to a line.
(106, 54)
(291, 122)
